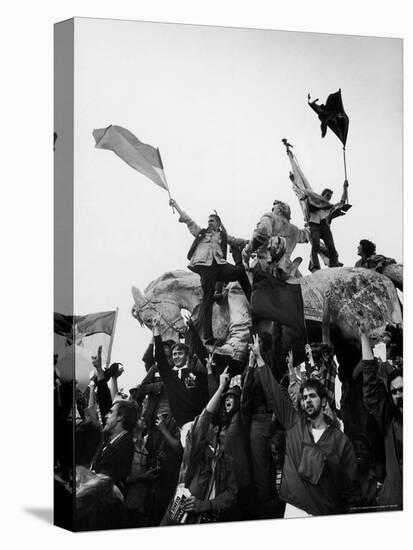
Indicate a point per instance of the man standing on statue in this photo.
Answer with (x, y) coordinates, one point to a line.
(321, 212)
(207, 257)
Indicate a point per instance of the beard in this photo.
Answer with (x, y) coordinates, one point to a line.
(399, 403)
(313, 411)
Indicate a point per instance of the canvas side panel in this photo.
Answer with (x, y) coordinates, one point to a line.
(63, 261)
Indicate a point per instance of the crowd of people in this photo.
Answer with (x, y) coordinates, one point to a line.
(203, 439)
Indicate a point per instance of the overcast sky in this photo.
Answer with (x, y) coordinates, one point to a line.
(217, 102)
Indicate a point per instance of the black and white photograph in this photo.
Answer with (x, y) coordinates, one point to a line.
(230, 346)
(206, 271)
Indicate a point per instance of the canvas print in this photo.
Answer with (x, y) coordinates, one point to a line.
(228, 274)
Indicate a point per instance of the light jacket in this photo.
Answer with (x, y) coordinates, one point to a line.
(210, 246)
(271, 225)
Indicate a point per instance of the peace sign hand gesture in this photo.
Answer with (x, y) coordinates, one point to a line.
(210, 363)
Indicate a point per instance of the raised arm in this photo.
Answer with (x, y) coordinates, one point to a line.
(303, 235)
(212, 382)
(92, 395)
(260, 237)
(148, 358)
(164, 368)
(195, 343)
(276, 398)
(199, 432)
(293, 386)
(325, 327)
(173, 442)
(344, 196)
(184, 218)
(237, 241)
(374, 390)
(213, 404)
(113, 381)
(149, 385)
(262, 231)
(103, 394)
(200, 427)
(90, 411)
(246, 390)
(174, 204)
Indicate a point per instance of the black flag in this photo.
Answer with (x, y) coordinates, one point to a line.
(332, 115)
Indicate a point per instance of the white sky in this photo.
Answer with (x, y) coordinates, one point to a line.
(217, 102)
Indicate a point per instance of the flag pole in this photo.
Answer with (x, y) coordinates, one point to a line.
(111, 338)
(169, 193)
(166, 181)
(345, 170)
(345, 166)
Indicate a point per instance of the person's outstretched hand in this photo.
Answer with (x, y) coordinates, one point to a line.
(224, 378)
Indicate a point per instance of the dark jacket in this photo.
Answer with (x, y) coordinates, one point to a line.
(236, 446)
(154, 388)
(148, 359)
(317, 477)
(390, 422)
(196, 468)
(187, 396)
(99, 505)
(253, 398)
(115, 460)
(104, 399)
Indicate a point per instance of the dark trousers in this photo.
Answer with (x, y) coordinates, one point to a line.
(261, 459)
(322, 231)
(209, 276)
